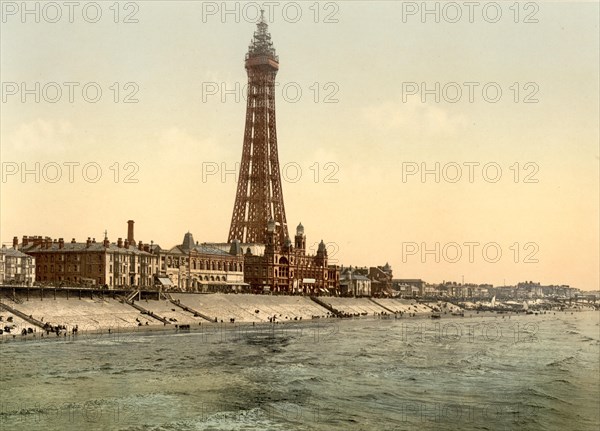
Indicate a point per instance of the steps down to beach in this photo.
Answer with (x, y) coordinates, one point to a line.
(251, 308)
(89, 313)
(145, 311)
(19, 319)
(168, 312)
(405, 306)
(353, 306)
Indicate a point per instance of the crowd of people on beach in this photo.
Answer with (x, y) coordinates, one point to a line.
(47, 328)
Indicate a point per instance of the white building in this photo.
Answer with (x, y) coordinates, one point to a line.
(16, 267)
(352, 283)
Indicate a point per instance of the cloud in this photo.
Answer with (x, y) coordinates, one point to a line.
(39, 137)
(415, 118)
(178, 145)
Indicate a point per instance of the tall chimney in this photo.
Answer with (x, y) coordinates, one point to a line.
(130, 232)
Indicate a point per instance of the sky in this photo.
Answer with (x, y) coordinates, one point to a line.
(461, 144)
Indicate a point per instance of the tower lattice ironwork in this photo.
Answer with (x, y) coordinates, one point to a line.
(259, 196)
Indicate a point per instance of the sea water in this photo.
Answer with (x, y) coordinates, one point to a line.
(495, 372)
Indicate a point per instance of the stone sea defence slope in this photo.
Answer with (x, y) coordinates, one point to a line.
(403, 306)
(96, 311)
(11, 320)
(170, 312)
(354, 305)
(252, 308)
(88, 314)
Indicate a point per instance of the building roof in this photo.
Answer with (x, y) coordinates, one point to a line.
(12, 252)
(199, 248)
(70, 247)
(355, 276)
(188, 242)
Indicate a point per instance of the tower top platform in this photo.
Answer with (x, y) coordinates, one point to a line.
(261, 50)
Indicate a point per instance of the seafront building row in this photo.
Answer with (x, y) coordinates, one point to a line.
(188, 267)
(226, 267)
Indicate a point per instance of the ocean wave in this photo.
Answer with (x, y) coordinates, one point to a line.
(561, 362)
(538, 394)
(134, 370)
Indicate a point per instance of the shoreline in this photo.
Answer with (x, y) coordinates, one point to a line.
(34, 315)
(240, 329)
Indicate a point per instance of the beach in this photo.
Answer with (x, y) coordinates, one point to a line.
(94, 313)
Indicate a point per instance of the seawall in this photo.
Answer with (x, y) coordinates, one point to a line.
(42, 310)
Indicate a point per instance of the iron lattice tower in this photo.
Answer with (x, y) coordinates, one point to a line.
(259, 196)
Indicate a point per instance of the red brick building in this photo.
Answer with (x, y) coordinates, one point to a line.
(288, 269)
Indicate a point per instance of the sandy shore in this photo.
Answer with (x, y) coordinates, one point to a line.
(215, 330)
(110, 316)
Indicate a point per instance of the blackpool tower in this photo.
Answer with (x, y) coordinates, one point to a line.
(259, 197)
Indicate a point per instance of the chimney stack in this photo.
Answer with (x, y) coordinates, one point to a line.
(88, 242)
(120, 242)
(61, 243)
(141, 246)
(130, 232)
(73, 241)
(126, 243)
(25, 240)
(16, 242)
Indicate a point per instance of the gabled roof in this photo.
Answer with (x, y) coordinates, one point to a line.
(355, 276)
(12, 252)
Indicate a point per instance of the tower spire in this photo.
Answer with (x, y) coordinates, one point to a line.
(259, 196)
